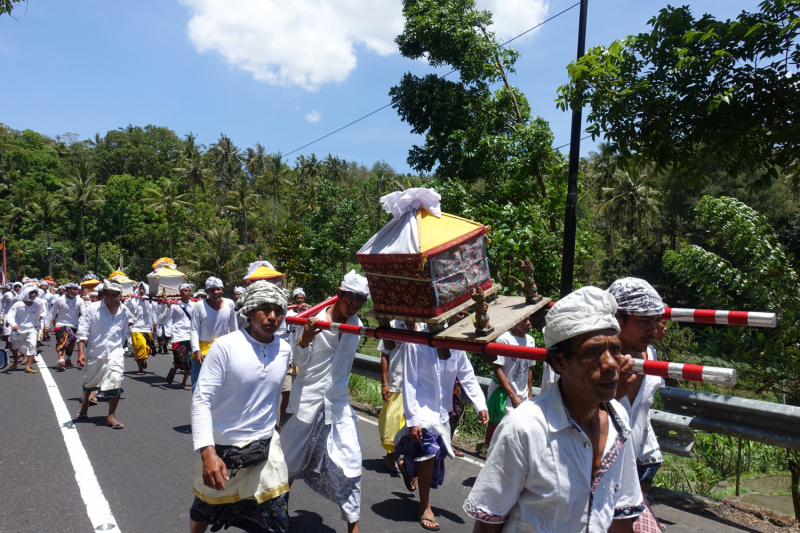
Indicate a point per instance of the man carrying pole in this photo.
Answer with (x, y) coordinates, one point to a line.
(181, 320)
(66, 312)
(23, 319)
(212, 318)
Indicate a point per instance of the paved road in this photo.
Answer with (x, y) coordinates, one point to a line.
(145, 470)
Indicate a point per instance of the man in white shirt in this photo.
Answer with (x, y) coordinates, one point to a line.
(163, 327)
(639, 311)
(428, 383)
(23, 319)
(320, 440)
(565, 460)
(9, 298)
(391, 419)
(181, 321)
(212, 318)
(512, 382)
(66, 314)
(288, 333)
(235, 404)
(144, 326)
(102, 334)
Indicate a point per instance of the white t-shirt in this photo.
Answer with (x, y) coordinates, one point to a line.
(516, 370)
(538, 474)
(395, 359)
(209, 324)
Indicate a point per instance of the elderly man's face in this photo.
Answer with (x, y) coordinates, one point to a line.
(592, 371)
(637, 332)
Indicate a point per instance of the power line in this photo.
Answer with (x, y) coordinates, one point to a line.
(563, 145)
(452, 71)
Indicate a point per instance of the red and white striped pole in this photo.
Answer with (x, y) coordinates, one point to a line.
(716, 316)
(705, 374)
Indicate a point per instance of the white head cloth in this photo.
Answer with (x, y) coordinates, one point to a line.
(138, 286)
(400, 202)
(587, 309)
(111, 286)
(298, 290)
(213, 283)
(356, 284)
(255, 264)
(259, 293)
(70, 286)
(185, 286)
(240, 290)
(636, 297)
(24, 294)
(16, 283)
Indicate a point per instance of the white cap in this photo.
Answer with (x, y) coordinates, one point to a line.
(298, 290)
(356, 284)
(212, 283)
(587, 309)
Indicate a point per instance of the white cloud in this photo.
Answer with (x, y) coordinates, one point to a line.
(313, 116)
(309, 43)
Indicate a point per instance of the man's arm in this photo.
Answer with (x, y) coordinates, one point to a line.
(233, 322)
(530, 382)
(385, 392)
(466, 375)
(501, 378)
(195, 332)
(53, 314)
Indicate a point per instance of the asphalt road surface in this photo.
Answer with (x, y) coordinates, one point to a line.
(144, 472)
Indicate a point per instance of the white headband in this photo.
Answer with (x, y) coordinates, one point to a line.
(298, 290)
(213, 283)
(356, 284)
(587, 309)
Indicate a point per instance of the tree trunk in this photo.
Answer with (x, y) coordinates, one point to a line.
(274, 210)
(169, 231)
(611, 229)
(793, 457)
(96, 241)
(537, 171)
(83, 237)
(245, 226)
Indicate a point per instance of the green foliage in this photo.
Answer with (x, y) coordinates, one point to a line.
(744, 266)
(695, 94)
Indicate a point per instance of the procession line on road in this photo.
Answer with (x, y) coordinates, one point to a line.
(465, 458)
(96, 504)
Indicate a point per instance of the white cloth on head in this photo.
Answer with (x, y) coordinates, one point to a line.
(587, 309)
(516, 370)
(298, 290)
(185, 286)
(538, 473)
(636, 297)
(104, 335)
(70, 286)
(208, 324)
(400, 202)
(259, 293)
(112, 286)
(355, 283)
(240, 290)
(66, 311)
(237, 396)
(212, 283)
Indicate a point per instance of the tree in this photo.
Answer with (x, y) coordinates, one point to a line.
(6, 6)
(698, 93)
(45, 208)
(471, 132)
(82, 192)
(275, 177)
(226, 159)
(167, 199)
(17, 207)
(244, 198)
(630, 192)
(194, 172)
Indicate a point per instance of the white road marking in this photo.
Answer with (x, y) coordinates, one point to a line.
(96, 504)
(465, 458)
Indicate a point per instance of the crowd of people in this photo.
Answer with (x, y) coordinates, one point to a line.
(271, 404)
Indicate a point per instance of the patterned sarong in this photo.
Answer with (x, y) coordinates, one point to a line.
(65, 339)
(271, 516)
(431, 447)
(180, 354)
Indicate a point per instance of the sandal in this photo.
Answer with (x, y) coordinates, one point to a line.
(30, 371)
(391, 466)
(115, 425)
(92, 401)
(422, 521)
(82, 414)
(406, 479)
(457, 452)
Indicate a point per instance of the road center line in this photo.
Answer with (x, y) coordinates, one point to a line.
(465, 458)
(96, 504)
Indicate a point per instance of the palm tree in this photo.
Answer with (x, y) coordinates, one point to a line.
(225, 158)
(44, 208)
(17, 207)
(604, 164)
(244, 198)
(191, 150)
(194, 172)
(632, 195)
(276, 176)
(254, 160)
(167, 200)
(82, 192)
(335, 167)
(204, 259)
(313, 167)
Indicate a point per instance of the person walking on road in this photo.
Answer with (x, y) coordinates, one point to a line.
(288, 333)
(565, 460)
(163, 327)
(181, 320)
(65, 314)
(212, 318)
(320, 440)
(143, 327)
(23, 319)
(234, 414)
(102, 334)
(424, 443)
(10, 293)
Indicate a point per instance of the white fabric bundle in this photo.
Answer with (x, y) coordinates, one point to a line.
(587, 309)
(255, 264)
(401, 202)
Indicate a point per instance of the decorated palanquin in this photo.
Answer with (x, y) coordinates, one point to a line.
(423, 262)
(263, 270)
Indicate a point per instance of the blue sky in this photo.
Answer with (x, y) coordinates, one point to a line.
(279, 72)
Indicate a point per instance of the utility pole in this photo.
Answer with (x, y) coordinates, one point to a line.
(49, 257)
(571, 212)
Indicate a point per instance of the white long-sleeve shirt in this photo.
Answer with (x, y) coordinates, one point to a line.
(66, 311)
(538, 474)
(25, 317)
(209, 324)
(238, 391)
(324, 374)
(644, 438)
(145, 315)
(104, 334)
(9, 298)
(181, 321)
(163, 315)
(396, 357)
(428, 384)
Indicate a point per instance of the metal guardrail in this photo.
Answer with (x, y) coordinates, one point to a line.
(685, 412)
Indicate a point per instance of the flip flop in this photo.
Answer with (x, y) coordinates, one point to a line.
(82, 414)
(391, 466)
(30, 371)
(422, 521)
(457, 452)
(91, 401)
(115, 425)
(406, 479)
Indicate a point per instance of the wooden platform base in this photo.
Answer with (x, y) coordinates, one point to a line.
(504, 313)
(441, 319)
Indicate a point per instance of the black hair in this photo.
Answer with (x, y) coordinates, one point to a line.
(564, 347)
(356, 295)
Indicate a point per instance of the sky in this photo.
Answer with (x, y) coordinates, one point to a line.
(279, 72)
